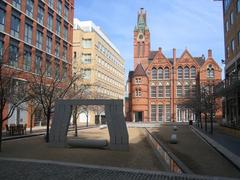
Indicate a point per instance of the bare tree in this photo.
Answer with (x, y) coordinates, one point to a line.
(46, 91)
(13, 89)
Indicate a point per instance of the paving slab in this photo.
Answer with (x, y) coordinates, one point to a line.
(195, 153)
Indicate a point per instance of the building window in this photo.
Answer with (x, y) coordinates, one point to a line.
(38, 62)
(40, 15)
(154, 73)
(186, 73)
(49, 45)
(153, 91)
(138, 92)
(180, 72)
(160, 91)
(66, 12)
(39, 39)
(64, 56)
(232, 45)
(228, 51)
(138, 80)
(160, 73)
(49, 67)
(239, 37)
(50, 21)
(168, 113)
(86, 74)
(57, 49)
(58, 27)
(227, 26)
(160, 112)
(87, 43)
(27, 60)
(167, 91)
(15, 23)
(28, 33)
(187, 90)
(16, 4)
(179, 91)
(29, 8)
(57, 72)
(238, 6)
(153, 112)
(64, 71)
(59, 7)
(86, 58)
(193, 72)
(2, 19)
(166, 73)
(65, 33)
(13, 56)
(50, 3)
(194, 89)
(210, 72)
(231, 18)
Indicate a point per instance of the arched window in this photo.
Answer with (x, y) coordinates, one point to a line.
(210, 72)
(180, 72)
(153, 91)
(186, 73)
(160, 73)
(179, 90)
(194, 90)
(166, 73)
(187, 89)
(193, 72)
(154, 73)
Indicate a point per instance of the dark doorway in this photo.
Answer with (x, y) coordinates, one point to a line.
(138, 116)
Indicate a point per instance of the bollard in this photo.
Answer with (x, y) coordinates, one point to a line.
(173, 139)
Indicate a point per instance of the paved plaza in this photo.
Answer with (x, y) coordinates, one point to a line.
(139, 156)
(196, 154)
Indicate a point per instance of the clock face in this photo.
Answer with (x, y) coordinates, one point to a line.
(140, 37)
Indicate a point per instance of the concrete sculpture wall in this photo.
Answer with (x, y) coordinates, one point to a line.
(114, 115)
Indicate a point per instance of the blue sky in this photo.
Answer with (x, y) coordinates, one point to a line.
(193, 24)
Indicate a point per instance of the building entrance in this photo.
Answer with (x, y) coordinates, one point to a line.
(138, 116)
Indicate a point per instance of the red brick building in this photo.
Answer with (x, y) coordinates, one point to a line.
(39, 35)
(158, 85)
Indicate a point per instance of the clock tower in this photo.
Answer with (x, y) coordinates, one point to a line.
(141, 40)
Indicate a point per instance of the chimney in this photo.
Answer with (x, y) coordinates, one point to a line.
(209, 53)
(174, 56)
(160, 49)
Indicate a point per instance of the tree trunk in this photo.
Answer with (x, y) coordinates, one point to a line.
(48, 123)
(211, 121)
(31, 121)
(1, 123)
(205, 122)
(200, 119)
(75, 121)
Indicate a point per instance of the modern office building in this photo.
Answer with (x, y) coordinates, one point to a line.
(98, 60)
(159, 85)
(37, 34)
(231, 85)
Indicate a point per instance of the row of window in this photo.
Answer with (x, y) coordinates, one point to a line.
(233, 45)
(232, 16)
(108, 79)
(161, 112)
(165, 91)
(15, 26)
(110, 67)
(109, 92)
(108, 54)
(40, 15)
(165, 74)
(14, 56)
